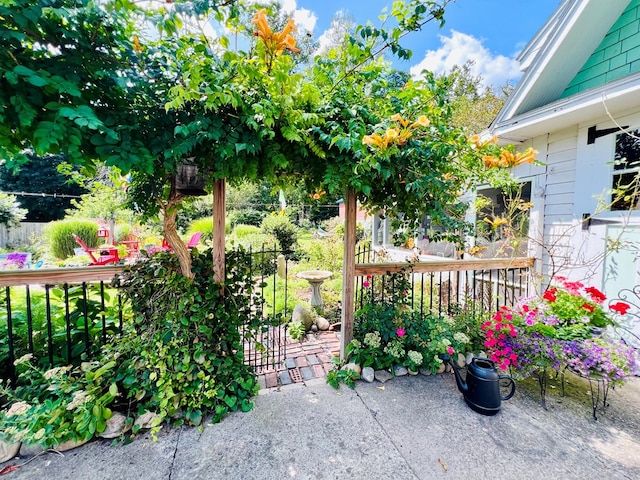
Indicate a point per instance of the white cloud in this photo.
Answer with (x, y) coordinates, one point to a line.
(458, 49)
(305, 19)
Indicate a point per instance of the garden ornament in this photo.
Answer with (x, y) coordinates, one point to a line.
(481, 389)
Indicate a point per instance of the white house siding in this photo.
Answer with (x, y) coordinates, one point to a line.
(559, 220)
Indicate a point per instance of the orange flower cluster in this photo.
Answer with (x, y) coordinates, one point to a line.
(396, 135)
(136, 44)
(475, 139)
(508, 159)
(317, 194)
(276, 43)
(496, 221)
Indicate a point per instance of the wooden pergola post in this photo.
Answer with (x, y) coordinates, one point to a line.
(219, 210)
(348, 272)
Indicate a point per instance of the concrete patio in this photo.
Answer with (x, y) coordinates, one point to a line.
(408, 428)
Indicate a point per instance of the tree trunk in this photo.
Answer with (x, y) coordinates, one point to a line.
(171, 232)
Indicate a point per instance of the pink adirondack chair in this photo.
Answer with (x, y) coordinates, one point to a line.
(192, 243)
(105, 255)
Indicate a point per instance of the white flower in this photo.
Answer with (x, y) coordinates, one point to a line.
(415, 357)
(79, 398)
(461, 338)
(23, 359)
(55, 372)
(18, 408)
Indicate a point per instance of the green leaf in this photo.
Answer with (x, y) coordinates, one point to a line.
(113, 389)
(230, 401)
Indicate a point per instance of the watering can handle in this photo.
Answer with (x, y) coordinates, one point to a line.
(513, 386)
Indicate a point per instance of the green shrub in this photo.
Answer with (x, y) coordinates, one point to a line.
(60, 239)
(203, 225)
(185, 360)
(59, 405)
(325, 254)
(245, 217)
(285, 232)
(360, 232)
(241, 231)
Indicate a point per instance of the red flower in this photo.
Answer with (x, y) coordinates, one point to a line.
(588, 307)
(450, 350)
(620, 307)
(596, 295)
(550, 295)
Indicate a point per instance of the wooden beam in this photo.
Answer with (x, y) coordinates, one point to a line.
(348, 272)
(363, 269)
(219, 210)
(58, 276)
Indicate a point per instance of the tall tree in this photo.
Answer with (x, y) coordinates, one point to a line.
(42, 188)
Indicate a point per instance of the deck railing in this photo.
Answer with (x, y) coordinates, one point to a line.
(444, 286)
(60, 315)
(65, 315)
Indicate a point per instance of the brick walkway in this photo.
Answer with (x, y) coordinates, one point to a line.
(304, 361)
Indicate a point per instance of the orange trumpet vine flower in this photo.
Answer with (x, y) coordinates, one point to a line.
(276, 43)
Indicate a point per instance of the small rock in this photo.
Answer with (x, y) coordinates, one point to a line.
(441, 368)
(383, 375)
(425, 371)
(482, 354)
(30, 450)
(368, 374)
(70, 445)
(116, 426)
(146, 419)
(461, 360)
(314, 328)
(412, 372)
(352, 366)
(448, 368)
(8, 450)
(470, 356)
(300, 314)
(399, 370)
(322, 323)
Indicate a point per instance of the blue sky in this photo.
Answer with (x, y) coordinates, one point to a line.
(490, 32)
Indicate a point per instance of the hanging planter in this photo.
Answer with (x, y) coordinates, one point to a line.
(189, 181)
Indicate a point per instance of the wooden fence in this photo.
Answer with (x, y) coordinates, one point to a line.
(20, 235)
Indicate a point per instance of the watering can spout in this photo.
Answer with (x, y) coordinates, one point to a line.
(462, 385)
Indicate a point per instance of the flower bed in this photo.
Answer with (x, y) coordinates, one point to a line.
(563, 328)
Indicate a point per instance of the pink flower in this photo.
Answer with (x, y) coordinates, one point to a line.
(400, 332)
(366, 284)
(450, 350)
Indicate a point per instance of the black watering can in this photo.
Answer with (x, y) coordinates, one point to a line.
(481, 389)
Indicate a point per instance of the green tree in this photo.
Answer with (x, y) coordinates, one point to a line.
(474, 106)
(52, 191)
(237, 115)
(10, 212)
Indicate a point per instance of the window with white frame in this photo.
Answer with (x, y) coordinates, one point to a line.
(625, 193)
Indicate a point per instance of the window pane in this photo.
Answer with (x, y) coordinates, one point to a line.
(627, 151)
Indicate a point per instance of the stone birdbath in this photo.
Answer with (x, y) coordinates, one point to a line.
(315, 279)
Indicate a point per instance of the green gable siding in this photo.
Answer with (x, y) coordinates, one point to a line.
(617, 56)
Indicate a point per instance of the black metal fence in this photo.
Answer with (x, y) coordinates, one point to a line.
(59, 316)
(268, 349)
(63, 316)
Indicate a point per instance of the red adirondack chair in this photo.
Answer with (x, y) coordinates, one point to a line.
(105, 255)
